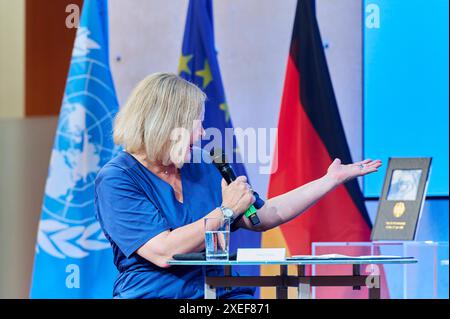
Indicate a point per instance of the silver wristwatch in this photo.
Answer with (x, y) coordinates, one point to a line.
(227, 213)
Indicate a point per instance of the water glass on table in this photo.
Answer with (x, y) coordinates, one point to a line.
(217, 238)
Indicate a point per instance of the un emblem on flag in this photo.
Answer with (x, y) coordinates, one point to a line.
(83, 144)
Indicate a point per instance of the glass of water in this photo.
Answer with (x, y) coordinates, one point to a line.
(217, 238)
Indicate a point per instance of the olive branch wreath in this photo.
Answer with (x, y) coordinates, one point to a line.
(62, 240)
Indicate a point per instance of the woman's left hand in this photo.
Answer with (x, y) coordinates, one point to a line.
(343, 173)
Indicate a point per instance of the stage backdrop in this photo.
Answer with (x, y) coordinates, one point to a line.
(145, 37)
(406, 86)
(252, 64)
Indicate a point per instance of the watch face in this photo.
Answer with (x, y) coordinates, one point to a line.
(228, 213)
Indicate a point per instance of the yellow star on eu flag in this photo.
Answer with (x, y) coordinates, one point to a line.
(205, 74)
(224, 107)
(183, 64)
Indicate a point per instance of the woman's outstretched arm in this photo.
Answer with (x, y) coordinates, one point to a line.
(283, 208)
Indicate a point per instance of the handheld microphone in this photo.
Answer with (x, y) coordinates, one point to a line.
(220, 161)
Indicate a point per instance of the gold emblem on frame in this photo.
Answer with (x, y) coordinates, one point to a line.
(399, 209)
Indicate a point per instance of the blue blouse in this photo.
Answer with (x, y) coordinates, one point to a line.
(133, 205)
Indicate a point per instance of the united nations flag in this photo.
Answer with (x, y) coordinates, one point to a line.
(71, 250)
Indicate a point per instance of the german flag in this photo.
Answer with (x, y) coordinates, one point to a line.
(310, 137)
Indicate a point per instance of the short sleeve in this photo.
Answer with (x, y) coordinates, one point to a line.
(125, 213)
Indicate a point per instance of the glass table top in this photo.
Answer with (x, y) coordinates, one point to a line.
(335, 261)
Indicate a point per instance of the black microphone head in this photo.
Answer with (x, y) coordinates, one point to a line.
(218, 157)
(220, 161)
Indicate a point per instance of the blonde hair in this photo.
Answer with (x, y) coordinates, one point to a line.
(159, 104)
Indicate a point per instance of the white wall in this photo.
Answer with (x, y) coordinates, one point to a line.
(25, 146)
(12, 58)
(252, 39)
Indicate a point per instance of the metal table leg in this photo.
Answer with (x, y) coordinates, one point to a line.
(304, 284)
(356, 272)
(282, 290)
(210, 292)
(375, 290)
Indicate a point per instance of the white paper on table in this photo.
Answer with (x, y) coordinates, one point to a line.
(261, 254)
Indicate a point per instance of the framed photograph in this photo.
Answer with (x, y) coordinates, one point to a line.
(404, 184)
(402, 199)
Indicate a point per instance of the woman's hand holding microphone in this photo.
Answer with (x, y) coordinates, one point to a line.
(238, 195)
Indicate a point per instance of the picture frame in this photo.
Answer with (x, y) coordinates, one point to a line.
(402, 199)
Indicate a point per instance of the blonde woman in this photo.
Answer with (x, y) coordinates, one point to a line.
(151, 200)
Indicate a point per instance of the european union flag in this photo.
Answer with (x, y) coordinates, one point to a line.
(199, 65)
(73, 258)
